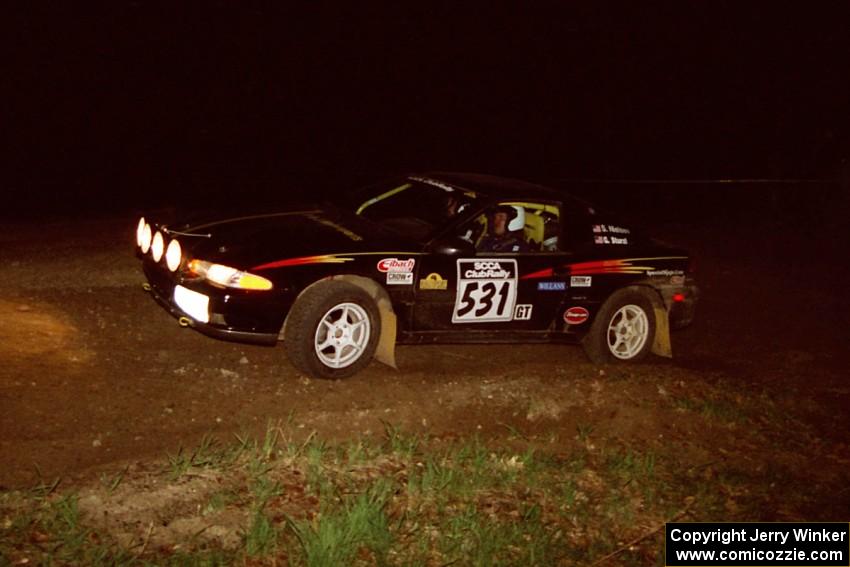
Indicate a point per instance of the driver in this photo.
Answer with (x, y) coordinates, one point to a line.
(504, 234)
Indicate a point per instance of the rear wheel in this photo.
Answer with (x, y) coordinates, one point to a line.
(624, 329)
(332, 330)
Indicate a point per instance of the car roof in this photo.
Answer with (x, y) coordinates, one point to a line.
(494, 186)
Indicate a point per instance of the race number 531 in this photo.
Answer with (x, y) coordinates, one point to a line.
(486, 291)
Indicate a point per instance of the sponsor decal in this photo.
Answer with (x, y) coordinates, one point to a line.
(433, 281)
(396, 265)
(576, 315)
(523, 312)
(399, 278)
(486, 269)
(664, 273)
(551, 286)
(580, 281)
(486, 290)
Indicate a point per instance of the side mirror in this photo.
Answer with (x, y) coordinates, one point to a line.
(453, 246)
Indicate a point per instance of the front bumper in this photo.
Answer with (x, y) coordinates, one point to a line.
(210, 330)
(233, 317)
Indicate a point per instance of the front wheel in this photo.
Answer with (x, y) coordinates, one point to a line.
(332, 330)
(624, 329)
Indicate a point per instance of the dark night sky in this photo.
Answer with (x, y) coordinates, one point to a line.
(146, 97)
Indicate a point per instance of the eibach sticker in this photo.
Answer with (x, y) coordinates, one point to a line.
(486, 290)
(396, 265)
(399, 272)
(576, 315)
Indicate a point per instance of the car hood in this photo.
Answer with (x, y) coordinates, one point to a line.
(250, 241)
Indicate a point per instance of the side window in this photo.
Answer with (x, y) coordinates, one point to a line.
(578, 232)
(514, 226)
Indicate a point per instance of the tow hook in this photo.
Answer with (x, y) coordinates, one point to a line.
(146, 286)
(184, 321)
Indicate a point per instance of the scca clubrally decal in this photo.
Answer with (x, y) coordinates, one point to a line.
(486, 290)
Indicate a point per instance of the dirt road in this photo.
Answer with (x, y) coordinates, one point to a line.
(94, 373)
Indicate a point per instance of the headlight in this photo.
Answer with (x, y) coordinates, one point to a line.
(172, 255)
(197, 305)
(140, 231)
(158, 246)
(146, 239)
(228, 277)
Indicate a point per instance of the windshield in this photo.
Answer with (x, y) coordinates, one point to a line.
(415, 207)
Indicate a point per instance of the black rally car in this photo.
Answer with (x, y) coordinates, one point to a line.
(438, 257)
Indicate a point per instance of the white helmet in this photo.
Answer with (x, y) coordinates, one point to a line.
(518, 222)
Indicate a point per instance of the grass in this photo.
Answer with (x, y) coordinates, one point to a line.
(721, 410)
(401, 499)
(261, 536)
(217, 502)
(583, 431)
(357, 525)
(111, 484)
(206, 454)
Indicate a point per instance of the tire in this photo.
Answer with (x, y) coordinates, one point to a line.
(332, 330)
(624, 329)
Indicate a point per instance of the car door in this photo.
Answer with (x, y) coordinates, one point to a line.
(461, 289)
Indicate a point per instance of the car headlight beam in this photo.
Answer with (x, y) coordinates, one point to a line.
(158, 246)
(173, 255)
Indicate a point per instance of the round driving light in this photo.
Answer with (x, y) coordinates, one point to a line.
(172, 255)
(146, 239)
(140, 229)
(158, 246)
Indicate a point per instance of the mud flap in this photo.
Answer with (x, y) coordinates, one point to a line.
(661, 345)
(385, 351)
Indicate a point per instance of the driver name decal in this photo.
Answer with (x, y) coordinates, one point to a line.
(486, 290)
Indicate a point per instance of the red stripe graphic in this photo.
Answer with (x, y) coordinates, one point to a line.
(592, 268)
(547, 273)
(324, 259)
